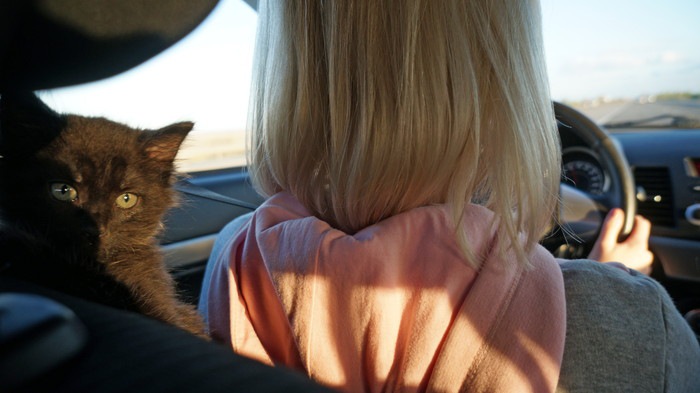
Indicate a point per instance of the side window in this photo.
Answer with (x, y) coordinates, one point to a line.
(205, 78)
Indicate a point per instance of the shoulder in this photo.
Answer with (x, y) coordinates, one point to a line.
(581, 276)
(217, 254)
(624, 333)
(234, 226)
(606, 302)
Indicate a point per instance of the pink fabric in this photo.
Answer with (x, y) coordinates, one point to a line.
(392, 308)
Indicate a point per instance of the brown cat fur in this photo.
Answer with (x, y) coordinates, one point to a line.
(67, 185)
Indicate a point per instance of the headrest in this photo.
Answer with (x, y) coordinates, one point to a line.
(53, 43)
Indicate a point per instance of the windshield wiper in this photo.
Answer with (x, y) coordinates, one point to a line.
(661, 121)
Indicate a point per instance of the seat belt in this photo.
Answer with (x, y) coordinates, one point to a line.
(188, 188)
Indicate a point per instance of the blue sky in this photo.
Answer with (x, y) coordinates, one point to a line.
(621, 48)
(595, 48)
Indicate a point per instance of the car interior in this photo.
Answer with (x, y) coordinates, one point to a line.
(649, 167)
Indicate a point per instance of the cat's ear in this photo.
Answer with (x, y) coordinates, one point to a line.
(26, 124)
(162, 145)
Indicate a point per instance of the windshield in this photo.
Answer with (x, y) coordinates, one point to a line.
(626, 63)
(631, 63)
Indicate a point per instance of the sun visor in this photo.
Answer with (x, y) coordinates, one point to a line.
(54, 43)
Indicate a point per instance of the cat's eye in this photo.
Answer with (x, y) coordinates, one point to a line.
(63, 192)
(127, 200)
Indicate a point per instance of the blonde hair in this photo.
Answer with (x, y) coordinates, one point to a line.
(366, 109)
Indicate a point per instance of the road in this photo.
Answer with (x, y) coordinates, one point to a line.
(634, 110)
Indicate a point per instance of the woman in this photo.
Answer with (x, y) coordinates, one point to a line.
(411, 161)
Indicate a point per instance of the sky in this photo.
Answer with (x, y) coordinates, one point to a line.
(621, 48)
(594, 48)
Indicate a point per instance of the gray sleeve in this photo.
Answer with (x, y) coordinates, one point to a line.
(624, 334)
(222, 238)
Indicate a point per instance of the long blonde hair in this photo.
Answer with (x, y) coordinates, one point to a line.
(365, 109)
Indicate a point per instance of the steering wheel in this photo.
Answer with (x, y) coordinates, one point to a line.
(581, 214)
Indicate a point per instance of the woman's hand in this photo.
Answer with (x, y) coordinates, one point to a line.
(633, 252)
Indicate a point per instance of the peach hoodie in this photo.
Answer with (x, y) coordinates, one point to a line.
(394, 307)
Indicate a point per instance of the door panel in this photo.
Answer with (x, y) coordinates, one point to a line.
(191, 228)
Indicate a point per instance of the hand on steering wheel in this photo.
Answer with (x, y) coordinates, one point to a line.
(582, 225)
(633, 252)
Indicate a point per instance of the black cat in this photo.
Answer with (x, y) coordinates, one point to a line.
(81, 203)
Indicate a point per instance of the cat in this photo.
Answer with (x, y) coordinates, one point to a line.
(81, 204)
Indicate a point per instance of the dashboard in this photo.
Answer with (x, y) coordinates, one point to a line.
(666, 168)
(664, 164)
(581, 168)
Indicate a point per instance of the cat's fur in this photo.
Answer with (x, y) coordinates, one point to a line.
(90, 246)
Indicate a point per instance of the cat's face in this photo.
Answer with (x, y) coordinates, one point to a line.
(97, 186)
(121, 177)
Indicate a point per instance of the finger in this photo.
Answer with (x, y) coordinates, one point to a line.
(641, 231)
(611, 228)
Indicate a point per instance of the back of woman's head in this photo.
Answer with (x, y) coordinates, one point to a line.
(365, 109)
